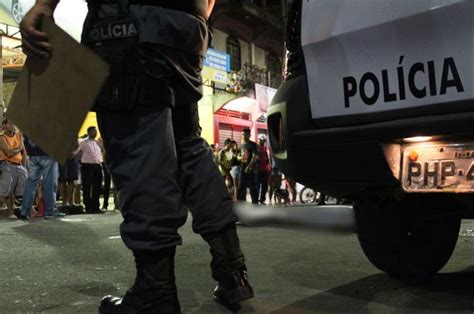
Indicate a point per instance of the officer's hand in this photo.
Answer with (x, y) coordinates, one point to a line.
(34, 42)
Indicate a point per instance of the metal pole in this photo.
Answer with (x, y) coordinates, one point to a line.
(1, 79)
(284, 13)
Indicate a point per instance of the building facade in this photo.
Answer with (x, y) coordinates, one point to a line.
(250, 33)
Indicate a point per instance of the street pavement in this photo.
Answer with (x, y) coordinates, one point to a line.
(67, 265)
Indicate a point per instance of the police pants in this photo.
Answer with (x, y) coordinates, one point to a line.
(159, 176)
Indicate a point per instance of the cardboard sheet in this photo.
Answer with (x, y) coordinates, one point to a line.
(52, 97)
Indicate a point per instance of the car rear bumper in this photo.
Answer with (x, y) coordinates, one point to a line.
(345, 160)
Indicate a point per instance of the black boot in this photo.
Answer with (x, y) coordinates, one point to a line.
(228, 267)
(154, 290)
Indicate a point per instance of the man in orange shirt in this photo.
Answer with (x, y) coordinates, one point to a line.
(14, 173)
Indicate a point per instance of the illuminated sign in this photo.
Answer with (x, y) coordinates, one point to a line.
(217, 60)
(215, 75)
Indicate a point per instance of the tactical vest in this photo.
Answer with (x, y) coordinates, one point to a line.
(115, 39)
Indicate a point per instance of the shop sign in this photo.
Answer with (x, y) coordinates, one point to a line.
(215, 75)
(217, 60)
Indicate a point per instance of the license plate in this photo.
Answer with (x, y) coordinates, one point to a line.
(438, 168)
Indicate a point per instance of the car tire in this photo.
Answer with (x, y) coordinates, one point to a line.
(308, 195)
(409, 239)
(17, 11)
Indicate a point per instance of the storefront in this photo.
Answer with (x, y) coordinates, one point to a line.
(233, 108)
(243, 112)
(228, 124)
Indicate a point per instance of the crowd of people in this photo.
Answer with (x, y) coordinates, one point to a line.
(35, 181)
(30, 175)
(250, 168)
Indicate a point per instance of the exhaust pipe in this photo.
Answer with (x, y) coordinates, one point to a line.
(336, 218)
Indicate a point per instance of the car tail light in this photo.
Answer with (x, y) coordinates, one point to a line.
(276, 132)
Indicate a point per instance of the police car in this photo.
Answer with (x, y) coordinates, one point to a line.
(378, 106)
(69, 14)
(17, 8)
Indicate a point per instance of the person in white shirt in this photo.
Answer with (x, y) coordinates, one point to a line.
(91, 170)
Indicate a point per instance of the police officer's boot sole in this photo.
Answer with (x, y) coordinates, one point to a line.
(111, 304)
(114, 305)
(233, 297)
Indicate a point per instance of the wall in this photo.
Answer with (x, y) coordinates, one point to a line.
(260, 57)
(206, 115)
(219, 40)
(8, 88)
(219, 43)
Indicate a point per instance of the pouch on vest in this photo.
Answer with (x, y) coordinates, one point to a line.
(115, 40)
(156, 78)
(133, 79)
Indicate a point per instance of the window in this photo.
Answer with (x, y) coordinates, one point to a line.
(233, 49)
(274, 69)
(273, 64)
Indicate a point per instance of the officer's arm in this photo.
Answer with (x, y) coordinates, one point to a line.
(210, 6)
(35, 42)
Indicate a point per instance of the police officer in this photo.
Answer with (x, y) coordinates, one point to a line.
(148, 118)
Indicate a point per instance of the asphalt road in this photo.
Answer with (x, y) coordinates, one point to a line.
(67, 265)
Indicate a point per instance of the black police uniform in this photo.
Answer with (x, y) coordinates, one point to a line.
(161, 167)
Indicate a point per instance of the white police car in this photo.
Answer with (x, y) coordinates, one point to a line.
(378, 106)
(69, 14)
(17, 8)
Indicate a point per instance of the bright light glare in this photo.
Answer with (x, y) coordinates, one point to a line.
(417, 139)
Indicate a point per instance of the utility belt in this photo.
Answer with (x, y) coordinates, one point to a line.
(138, 75)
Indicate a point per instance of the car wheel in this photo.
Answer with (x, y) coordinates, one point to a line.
(308, 195)
(17, 11)
(409, 239)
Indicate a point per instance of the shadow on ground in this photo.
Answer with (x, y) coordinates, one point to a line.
(86, 263)
(443, 292)
(74, 241)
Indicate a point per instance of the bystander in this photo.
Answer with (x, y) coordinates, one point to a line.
(14, 173)
(263, 169)
(91, 170)
(248, 158)
(40, 165)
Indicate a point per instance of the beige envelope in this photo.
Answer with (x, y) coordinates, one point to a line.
(52, 97)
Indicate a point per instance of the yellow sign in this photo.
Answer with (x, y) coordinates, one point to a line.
(215, 75)
(91, 120)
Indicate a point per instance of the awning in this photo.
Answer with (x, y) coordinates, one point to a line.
(218, 100)
(13, 59)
